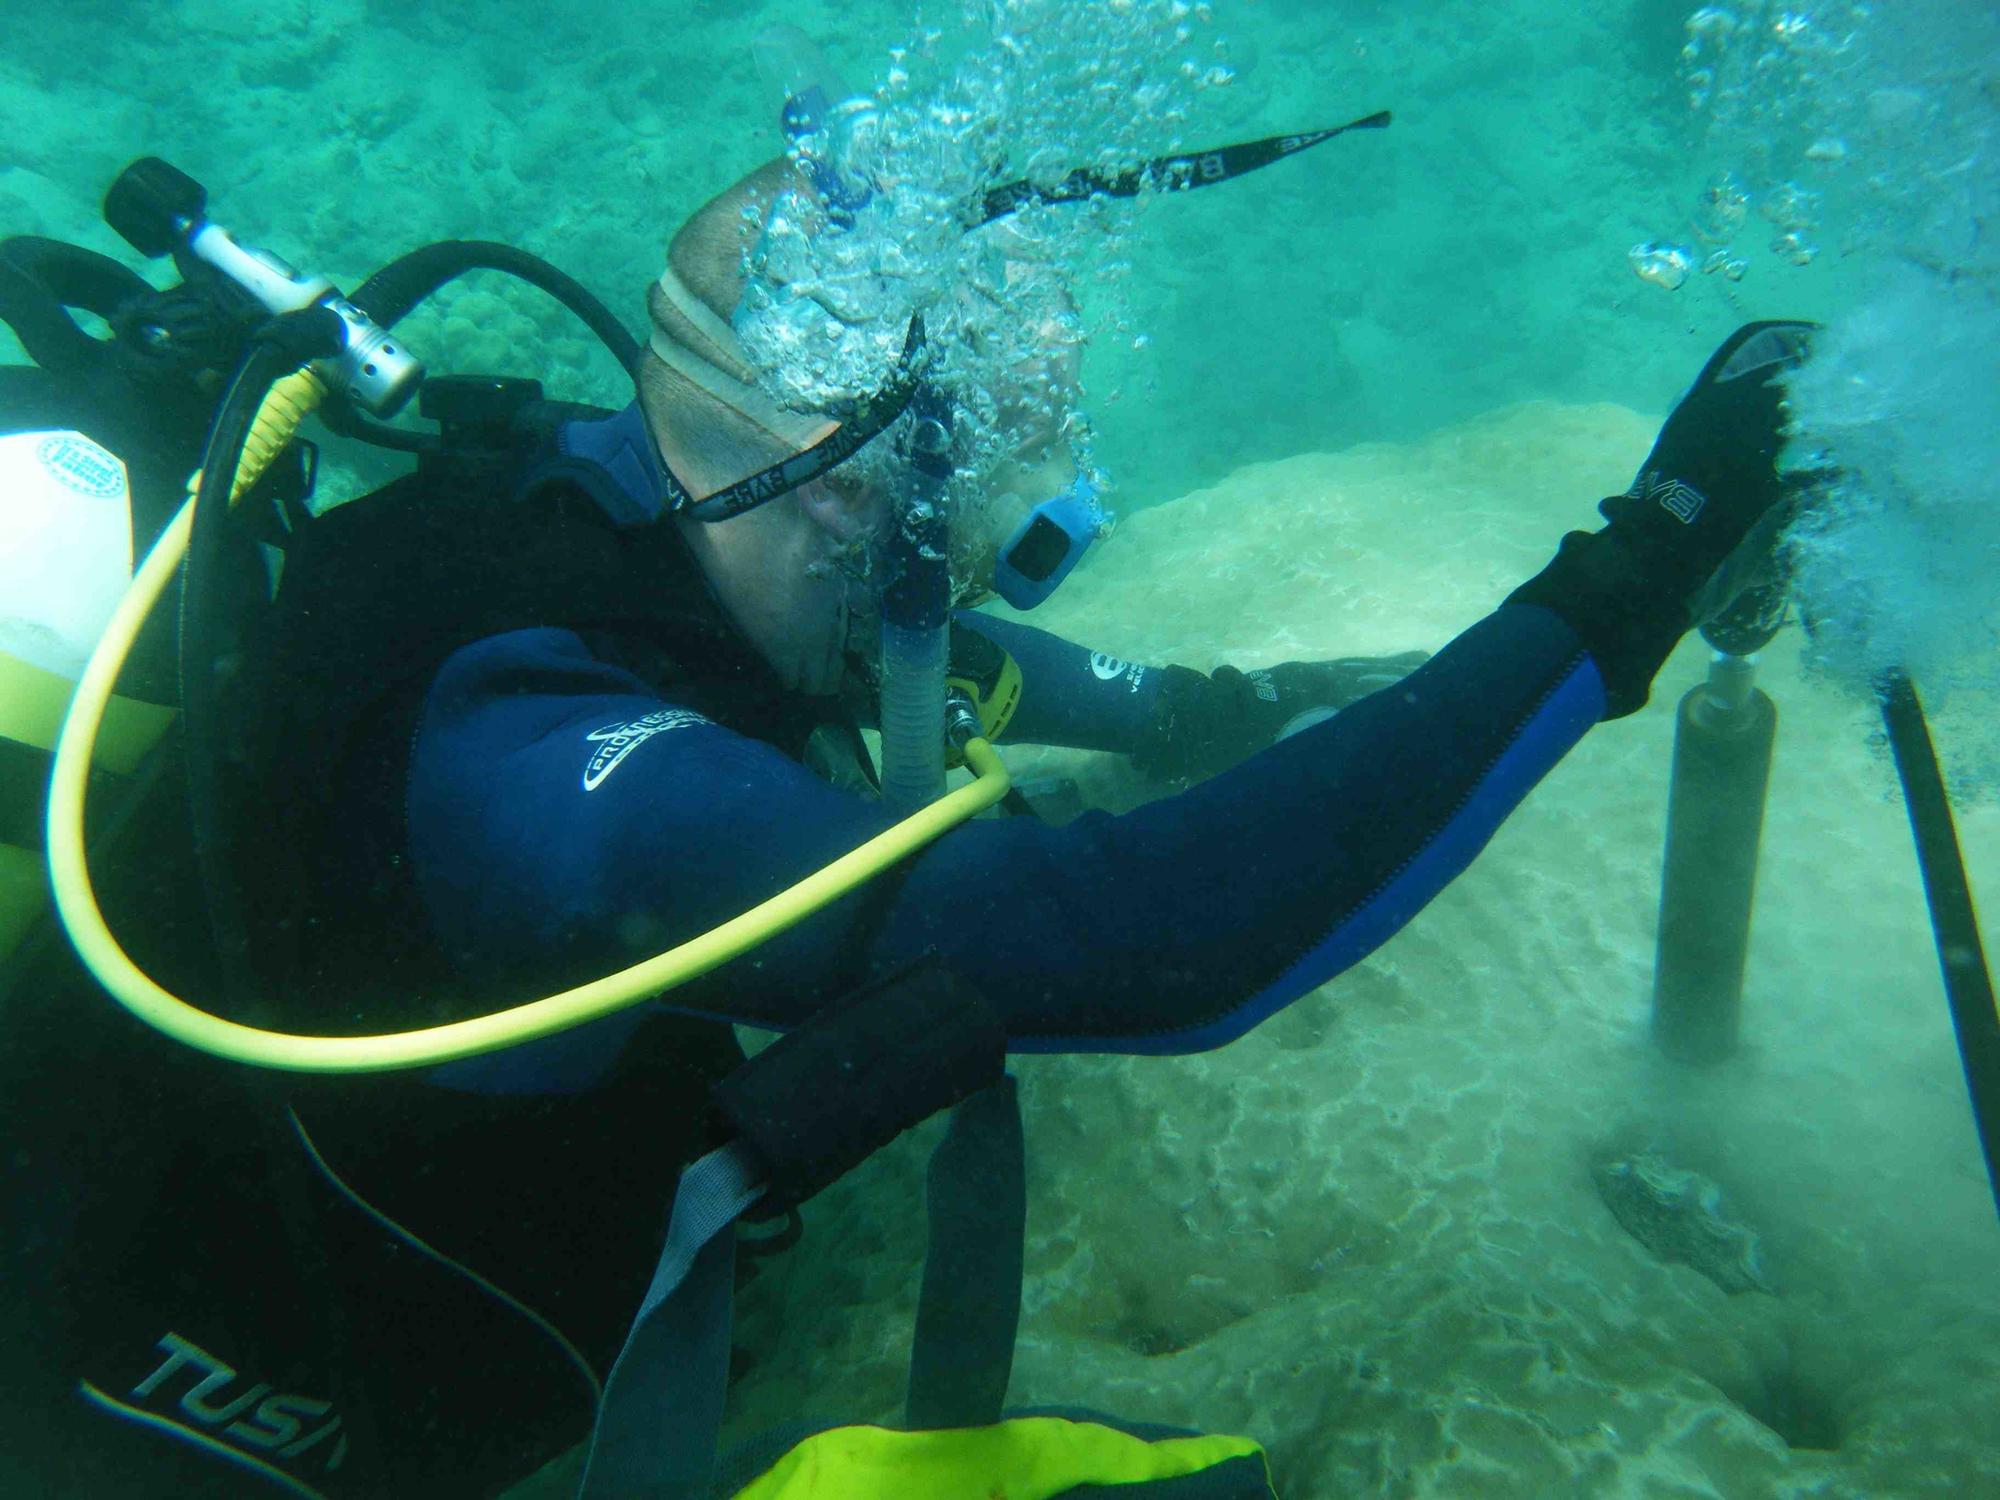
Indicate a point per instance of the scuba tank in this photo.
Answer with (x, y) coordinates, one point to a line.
(65, 560)
(101, 433)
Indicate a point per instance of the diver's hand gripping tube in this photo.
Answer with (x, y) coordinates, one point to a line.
(160, 210)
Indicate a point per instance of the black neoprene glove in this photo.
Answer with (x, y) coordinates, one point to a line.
(1205, 724)
(1695, 529)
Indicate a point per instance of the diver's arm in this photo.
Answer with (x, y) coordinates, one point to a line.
(1196, 917)
(562, 820)
(1181, 925)
(1177, 724)
(544, 855)
(1070, 695)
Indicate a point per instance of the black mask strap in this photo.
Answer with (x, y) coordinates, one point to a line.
(1169, 174)
(1165, 174)
(866, 422)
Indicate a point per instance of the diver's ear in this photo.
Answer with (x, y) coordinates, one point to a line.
(847, 513)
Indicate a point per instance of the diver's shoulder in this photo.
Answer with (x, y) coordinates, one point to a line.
(535, 660)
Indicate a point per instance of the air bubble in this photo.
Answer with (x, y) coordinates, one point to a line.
(1714, 22)
(1049, 84)
(1795, 248)
(1790, 206)
(1664, 265)
(1725, 204)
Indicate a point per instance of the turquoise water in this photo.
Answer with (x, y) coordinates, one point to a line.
(1345, 403)
(1472, 255)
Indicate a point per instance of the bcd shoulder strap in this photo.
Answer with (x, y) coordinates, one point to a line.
(804, 1111)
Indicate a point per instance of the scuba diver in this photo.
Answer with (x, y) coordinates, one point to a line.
(537, 711)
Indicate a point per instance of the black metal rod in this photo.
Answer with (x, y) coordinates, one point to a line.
(1968, 984)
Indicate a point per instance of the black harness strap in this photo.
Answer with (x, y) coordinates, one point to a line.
(969, 1311)
(822, 1099)
(805, 1110)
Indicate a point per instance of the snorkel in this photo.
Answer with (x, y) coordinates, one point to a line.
(828, 131)
(916, 613)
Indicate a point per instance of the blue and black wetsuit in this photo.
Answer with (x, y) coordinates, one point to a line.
(565, 814)
(506, 756)
(537, 789)
(565, 818)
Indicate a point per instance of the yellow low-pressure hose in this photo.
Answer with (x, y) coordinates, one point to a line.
(285, 407)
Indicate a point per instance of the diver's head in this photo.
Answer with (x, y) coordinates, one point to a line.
(813, 496)
(790, 572)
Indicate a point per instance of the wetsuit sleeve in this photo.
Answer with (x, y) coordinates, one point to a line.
(1071, 695)
(564, 821)
(1181, 925)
